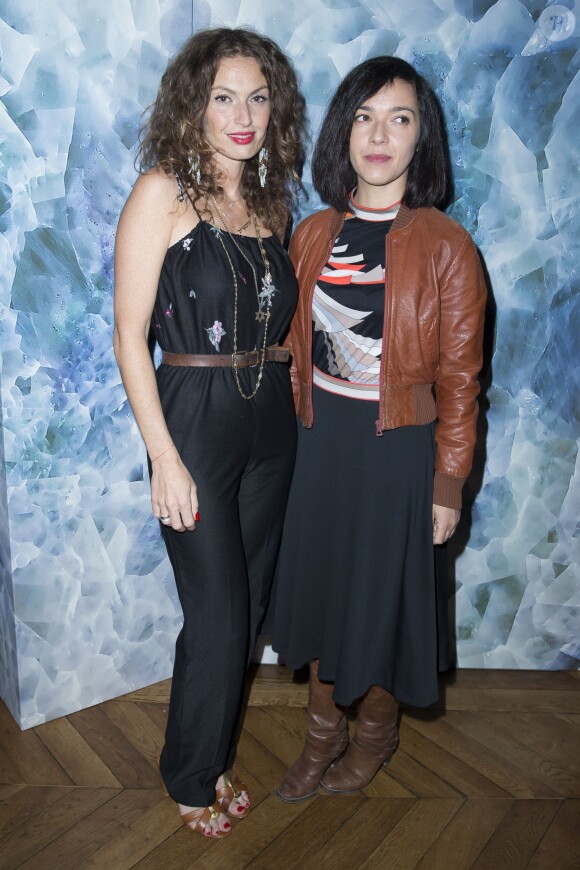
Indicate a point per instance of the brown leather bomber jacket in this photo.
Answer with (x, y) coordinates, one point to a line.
(432, 335)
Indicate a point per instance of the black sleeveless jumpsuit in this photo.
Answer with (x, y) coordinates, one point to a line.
(240, 453)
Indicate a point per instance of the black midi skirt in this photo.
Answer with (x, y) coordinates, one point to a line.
(356, 584)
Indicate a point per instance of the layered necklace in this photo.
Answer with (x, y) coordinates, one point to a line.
(263, 296)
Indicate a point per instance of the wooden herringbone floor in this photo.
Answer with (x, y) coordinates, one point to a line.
(490, 780)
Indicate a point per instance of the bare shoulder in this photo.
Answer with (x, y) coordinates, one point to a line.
(155, 189)
(154, 203)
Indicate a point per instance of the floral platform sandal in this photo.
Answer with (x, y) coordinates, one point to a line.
(200, 820)
(230, 791)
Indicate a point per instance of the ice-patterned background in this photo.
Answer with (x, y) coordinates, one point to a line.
(87, 604)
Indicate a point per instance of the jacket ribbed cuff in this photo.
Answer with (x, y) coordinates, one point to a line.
(447, 490)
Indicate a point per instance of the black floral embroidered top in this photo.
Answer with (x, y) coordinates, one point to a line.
(194, 309)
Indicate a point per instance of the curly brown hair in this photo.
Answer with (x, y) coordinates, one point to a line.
(174, 129)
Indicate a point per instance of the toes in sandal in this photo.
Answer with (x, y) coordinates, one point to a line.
(199, 820)
(230, 791)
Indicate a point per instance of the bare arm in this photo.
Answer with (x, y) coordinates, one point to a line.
(148, 224)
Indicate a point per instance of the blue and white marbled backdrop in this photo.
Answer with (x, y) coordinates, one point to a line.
(88, 608)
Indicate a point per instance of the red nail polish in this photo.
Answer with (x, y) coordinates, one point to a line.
(196, 516)
(227, 825)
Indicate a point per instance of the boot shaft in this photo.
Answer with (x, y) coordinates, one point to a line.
(376, 729)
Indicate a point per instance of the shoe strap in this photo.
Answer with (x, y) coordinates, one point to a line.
(232, 788)
(202, 817)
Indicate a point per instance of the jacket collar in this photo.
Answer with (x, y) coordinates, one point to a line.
(404, 217)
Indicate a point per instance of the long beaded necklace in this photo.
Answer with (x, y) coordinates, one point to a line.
(264, 297)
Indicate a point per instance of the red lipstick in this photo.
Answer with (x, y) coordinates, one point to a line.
(242, 138)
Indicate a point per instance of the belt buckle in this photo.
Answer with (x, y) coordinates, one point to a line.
(244, 354)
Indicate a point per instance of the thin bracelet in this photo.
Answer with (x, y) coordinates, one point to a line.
(162, 452)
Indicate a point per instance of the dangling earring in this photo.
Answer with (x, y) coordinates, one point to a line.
(263, 166)
(194, 166)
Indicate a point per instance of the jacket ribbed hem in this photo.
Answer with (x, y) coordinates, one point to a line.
(407, 405)
(424, 404)
(447, 490)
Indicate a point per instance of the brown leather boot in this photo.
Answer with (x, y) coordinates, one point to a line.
(326, 739)
(374, 743)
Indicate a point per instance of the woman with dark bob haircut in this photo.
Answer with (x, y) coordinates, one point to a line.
(199, 261)
(386, 341)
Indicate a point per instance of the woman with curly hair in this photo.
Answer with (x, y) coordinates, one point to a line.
(200, 262)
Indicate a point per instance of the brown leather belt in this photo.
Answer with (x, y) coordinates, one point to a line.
(244, 358)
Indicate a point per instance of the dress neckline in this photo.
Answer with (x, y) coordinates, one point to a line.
(372, 214)
(189, 235)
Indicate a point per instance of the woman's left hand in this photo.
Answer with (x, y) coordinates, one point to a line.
(445, 521)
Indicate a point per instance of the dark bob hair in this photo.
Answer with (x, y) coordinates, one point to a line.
(429, 178)
(173, 131)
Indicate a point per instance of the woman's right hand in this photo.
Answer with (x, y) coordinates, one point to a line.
(173, 493)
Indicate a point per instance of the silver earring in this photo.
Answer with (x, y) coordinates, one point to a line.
(263, 166)
(194, 166)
